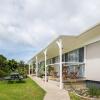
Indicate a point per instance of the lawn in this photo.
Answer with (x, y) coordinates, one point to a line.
(27, 90)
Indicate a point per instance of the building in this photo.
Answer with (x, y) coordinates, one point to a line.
(72, 57)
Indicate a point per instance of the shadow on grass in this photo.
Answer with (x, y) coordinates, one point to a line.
(17, 82)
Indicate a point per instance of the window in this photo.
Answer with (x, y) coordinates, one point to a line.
(73, 56)
(48, 61)
(66, 57)
(53, 60)
(63, 58)
(81, 54)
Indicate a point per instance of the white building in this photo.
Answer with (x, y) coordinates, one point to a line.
(80, 55)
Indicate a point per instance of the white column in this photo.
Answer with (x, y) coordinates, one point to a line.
(29, 69)
(59, 43)
(36, 66)
(45, 54)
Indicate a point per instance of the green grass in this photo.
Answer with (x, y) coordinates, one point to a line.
(74, 96)
(27, 90)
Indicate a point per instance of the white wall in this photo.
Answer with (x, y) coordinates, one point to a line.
(93, 61)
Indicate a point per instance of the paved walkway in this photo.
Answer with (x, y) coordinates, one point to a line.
(52, 89)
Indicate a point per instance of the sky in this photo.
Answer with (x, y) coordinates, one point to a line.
(26, 26)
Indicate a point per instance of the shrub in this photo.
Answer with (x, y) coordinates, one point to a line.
(2, 73)
(94, 91)
(74, 96)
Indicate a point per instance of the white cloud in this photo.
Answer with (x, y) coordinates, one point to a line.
(27, 25)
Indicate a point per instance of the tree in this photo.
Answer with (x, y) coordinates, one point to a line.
(13, 65)
(22, 68)
(8, 66)
(2, 61)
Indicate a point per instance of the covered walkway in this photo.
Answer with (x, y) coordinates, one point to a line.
(52, 89)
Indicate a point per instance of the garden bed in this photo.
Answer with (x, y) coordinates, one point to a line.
(91, 93)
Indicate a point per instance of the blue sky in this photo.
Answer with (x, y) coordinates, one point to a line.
(28, 25)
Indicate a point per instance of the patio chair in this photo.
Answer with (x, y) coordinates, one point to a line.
(73, 75)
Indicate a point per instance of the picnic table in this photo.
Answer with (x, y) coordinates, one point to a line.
(14, 76)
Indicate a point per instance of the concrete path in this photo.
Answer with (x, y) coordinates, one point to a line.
(52, 89)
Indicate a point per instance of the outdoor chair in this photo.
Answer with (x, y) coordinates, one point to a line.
(73, 75)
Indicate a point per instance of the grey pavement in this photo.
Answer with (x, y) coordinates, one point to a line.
(52, 89)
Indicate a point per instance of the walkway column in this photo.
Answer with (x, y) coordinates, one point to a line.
(59, 43)
(45, 54)
(36, 66)
(29, 70)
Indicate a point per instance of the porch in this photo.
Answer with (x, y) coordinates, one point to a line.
(70, 72)
(65, 65)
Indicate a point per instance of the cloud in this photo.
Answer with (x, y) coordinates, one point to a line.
(28, 25)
